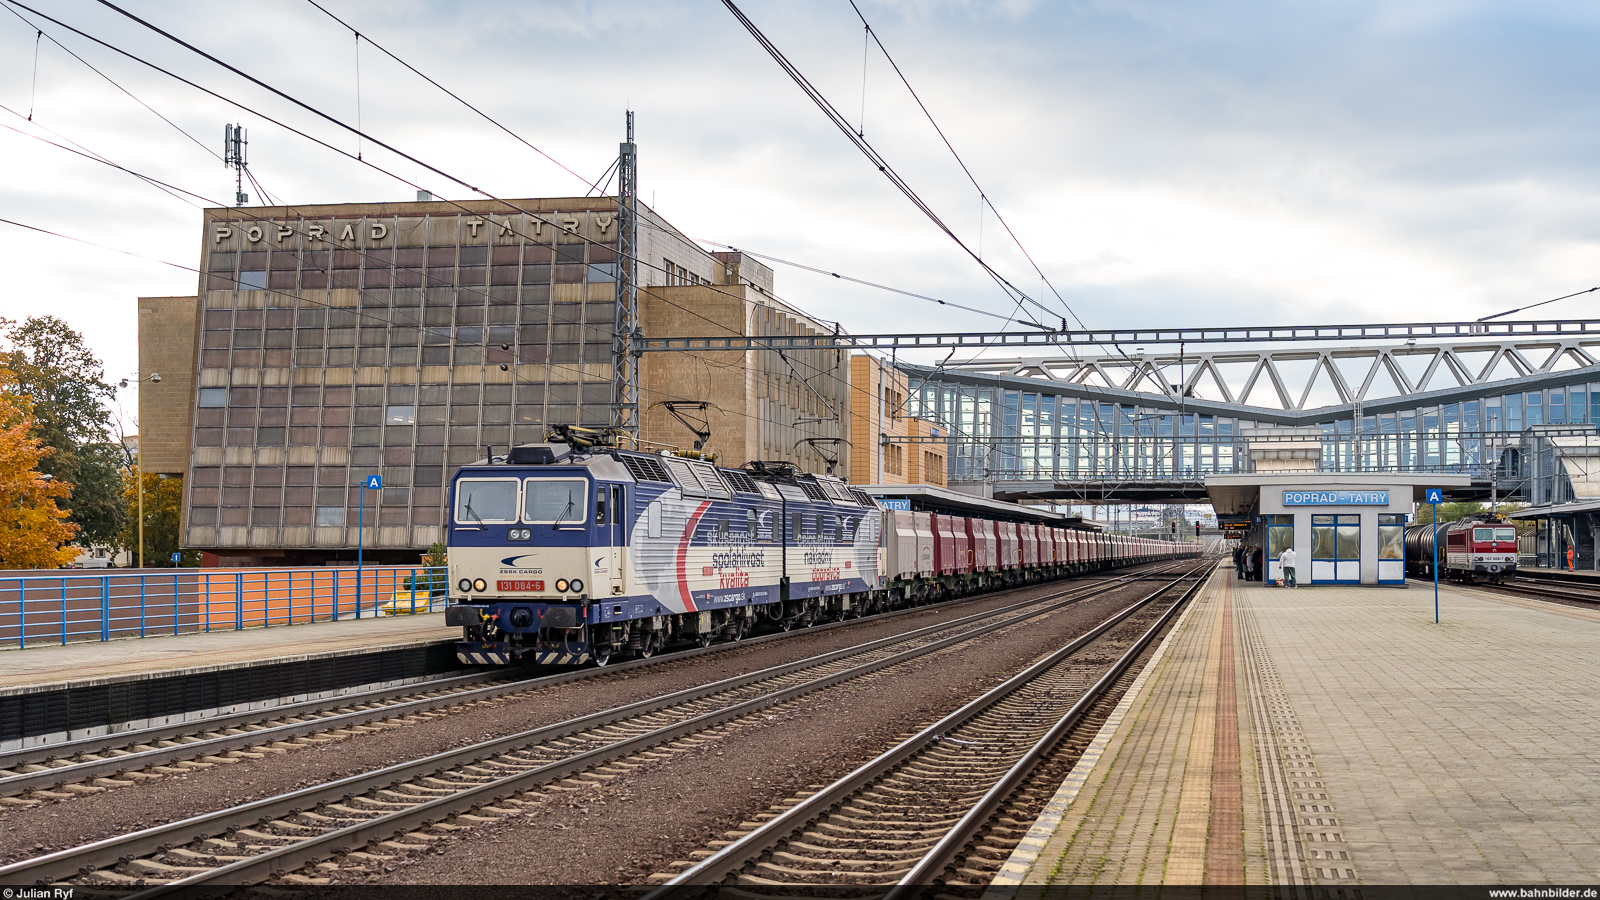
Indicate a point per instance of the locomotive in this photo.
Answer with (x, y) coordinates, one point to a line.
(1481, 547)
(575, 551)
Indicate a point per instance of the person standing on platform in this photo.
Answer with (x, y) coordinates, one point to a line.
(1238, 563)
(1288, 566)
(1569, 559)
(1249, 564)
(1261, 564)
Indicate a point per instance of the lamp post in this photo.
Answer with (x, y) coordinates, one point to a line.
(153, 378)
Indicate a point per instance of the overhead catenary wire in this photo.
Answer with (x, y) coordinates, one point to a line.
(865, 147)
(176, 127)
(319, 141)
(458, 98)
(983, 196)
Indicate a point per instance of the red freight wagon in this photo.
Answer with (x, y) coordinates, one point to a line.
(1029, 536)
(944, 543)
(1010, 549)
(985, 545)
(963, 538)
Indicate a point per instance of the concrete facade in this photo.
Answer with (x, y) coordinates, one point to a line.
(330, 343)
(168, 329)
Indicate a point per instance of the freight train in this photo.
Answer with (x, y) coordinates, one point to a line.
(572, 551)
(1482, 547)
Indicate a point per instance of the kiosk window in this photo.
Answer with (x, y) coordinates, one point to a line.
(1391, 536)
(1280, 534)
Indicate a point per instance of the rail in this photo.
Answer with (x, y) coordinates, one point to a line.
(61, 609)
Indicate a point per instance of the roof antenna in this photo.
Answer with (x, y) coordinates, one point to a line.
(235, 143)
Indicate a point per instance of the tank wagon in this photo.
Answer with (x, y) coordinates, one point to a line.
(1482, 547)
(569, 552)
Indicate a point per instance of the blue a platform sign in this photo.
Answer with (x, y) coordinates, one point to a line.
(1435, 495)
(374, 482)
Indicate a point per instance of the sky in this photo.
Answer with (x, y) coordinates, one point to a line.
(1164, 163)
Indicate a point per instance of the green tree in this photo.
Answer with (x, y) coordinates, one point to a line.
(163, 519)
(33, 529)
(68, 393)
(1448, 512)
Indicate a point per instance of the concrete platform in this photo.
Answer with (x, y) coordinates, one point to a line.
(1336, 737)
(70, 665)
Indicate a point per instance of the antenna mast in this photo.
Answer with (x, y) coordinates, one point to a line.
(624, 355)
(235, 143)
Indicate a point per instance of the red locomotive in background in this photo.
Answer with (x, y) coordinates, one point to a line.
(1481, 547)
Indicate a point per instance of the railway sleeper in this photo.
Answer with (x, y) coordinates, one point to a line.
(837, 861)
(909, 850)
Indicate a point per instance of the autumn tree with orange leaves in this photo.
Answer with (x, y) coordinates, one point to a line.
(33, 530)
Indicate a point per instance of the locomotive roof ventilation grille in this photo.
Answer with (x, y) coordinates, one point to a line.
(837, 491)
(861, 497)
(813, 491)
(740, 482)
(645, 468)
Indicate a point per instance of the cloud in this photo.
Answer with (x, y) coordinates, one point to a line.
(1203, 163)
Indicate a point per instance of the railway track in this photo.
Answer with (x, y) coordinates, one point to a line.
(407, 805)
(1564, 592)
(65, 770)
(948, 804)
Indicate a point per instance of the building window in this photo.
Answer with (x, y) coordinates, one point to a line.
(252, 281)
(401, 415)
(213, 397)
(330, 517)
(894, 459)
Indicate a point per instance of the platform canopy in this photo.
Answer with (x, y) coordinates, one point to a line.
(1233, 496)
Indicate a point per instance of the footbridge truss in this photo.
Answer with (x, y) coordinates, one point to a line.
(1140, 426)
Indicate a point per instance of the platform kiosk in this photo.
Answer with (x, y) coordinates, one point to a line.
(1345, 529)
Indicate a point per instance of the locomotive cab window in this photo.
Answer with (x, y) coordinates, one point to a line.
(483, 501)
(555, 501)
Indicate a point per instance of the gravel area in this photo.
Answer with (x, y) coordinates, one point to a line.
(118, 810)
(625, 830)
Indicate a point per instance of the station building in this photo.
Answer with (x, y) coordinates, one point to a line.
(328, 343)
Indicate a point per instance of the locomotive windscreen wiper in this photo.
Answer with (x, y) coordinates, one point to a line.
(563, 515)
(471, 512)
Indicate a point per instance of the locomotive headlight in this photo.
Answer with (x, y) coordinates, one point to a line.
(561, 585)
(464, 584)
(577, 585)
(480, 585)
(520, 534)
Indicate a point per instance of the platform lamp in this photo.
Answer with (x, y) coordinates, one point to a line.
(153, 378)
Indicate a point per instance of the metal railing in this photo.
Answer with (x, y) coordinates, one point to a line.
(59, 609)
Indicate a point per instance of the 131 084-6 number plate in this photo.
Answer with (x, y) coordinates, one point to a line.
(520, 585)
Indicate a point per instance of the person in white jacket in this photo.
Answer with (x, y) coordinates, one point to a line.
(1287, 559)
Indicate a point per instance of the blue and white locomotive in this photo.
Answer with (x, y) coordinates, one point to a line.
(566, 553)
(571, 551)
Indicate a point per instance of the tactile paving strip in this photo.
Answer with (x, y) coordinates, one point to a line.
(1305, 842)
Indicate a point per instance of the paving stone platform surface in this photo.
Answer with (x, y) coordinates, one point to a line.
(1368, 745)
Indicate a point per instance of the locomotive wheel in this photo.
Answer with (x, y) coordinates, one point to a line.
(647, 647)
(601, 658)
(704, 640)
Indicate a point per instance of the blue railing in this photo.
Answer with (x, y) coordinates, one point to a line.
(59, 609)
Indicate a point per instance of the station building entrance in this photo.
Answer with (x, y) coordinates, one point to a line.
(1345, 529)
